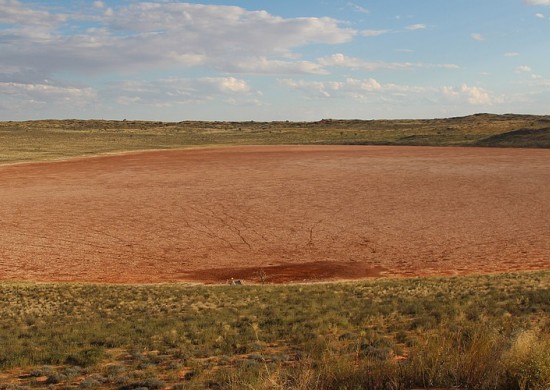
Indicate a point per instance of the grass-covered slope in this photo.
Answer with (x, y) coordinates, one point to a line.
(51, 139)
(479, 332)
(525, 138)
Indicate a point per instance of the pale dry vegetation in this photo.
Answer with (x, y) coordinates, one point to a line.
(52, 139)
(478, 332)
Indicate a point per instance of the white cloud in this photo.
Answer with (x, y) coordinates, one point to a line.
(373, 33)
(29, 96)
(473, 95)
(537, 2)
(263, 65)
(540, 15)
(477, 37)
(545, 83)
(46, 91)
(476, 95)
(373, 90)
(316, 87)
(229, 84)
(238, 27)
(191, 59)
(368, 85)
(357, 89)
(523, 69)
(341, 60)
(358, 8)
(99, 4)
(418, 26)
(169, 35)
(14, 12)
(23, 25)
(511, 54)
(175, 91)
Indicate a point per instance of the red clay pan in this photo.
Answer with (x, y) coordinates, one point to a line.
(277, 213)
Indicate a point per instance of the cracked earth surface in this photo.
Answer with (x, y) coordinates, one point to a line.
(287, 213)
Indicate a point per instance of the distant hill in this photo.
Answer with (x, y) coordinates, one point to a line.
(522, 138)
(54, 139)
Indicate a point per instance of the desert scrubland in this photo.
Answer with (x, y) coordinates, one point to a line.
(374, 254)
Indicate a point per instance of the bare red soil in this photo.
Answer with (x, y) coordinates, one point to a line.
(293, 213)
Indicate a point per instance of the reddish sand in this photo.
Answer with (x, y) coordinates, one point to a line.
(294, 213)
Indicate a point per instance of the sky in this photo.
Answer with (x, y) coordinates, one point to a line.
(264, 60)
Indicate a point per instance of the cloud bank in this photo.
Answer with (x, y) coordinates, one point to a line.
(372, 90)
(164, 35)
(99, 58)
(537, 2)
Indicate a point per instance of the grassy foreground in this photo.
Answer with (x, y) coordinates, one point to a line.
(478, 332)
(51, 139)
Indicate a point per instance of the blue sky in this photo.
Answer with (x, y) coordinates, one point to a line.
(273, 60)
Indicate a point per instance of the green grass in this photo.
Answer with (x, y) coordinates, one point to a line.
(482, 332)
(53, 139)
